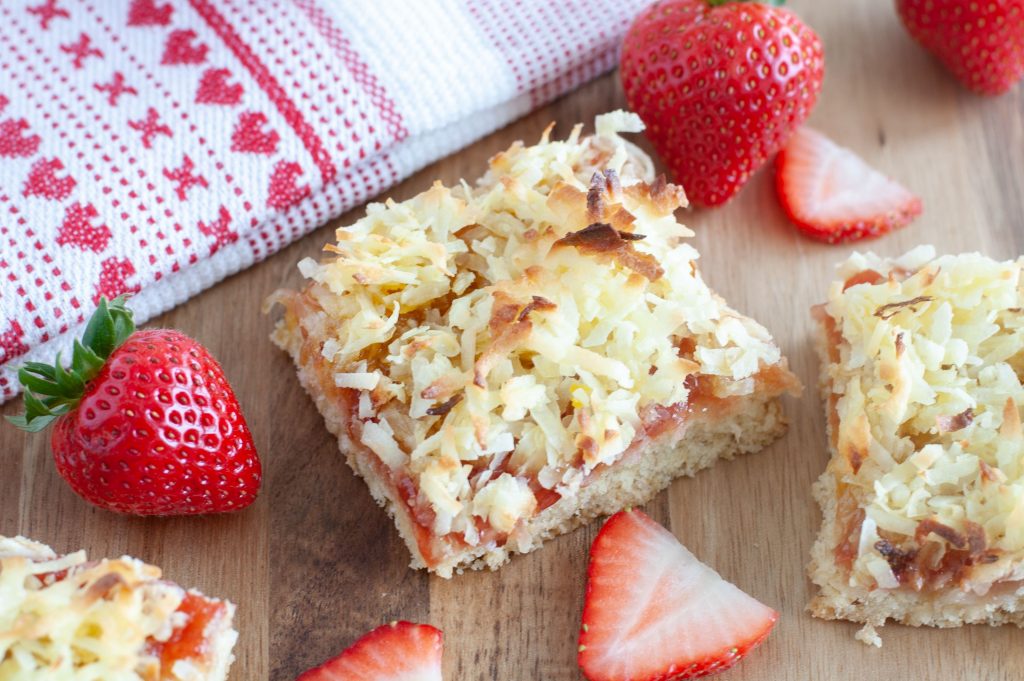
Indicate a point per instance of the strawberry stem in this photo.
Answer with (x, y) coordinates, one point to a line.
(50, 389)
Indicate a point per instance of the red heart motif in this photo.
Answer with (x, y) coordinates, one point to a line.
(77, 229)
(113, 281)
(249, 134)
(284, 191)
(13, 141)
(180, 50)
(43, 181)
(220, 230)
(11, 343)
(3, 103)
(214, 88)
(148, 13)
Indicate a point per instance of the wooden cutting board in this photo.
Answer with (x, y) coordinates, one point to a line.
(314, 563)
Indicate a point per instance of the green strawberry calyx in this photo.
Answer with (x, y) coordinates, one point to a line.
(51, 389)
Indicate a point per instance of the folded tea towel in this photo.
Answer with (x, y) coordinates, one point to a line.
(155, 147)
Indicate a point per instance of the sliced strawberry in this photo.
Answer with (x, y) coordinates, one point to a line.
(400, 651)
(654, 612)
(832, 194)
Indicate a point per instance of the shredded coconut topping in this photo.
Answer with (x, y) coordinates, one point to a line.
(519, 328)
(67, 619)
(928, 380)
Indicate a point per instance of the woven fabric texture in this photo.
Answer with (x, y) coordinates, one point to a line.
(154, 147)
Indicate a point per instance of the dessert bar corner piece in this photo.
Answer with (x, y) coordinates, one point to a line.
(504, 361)
(923, 498)
(66, 617)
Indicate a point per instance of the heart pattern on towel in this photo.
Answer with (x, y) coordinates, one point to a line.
(220, 230)
(249, 135)
(214, 88)
(43, 181)
(77, 229)
(13, 140)
(285, 191)
(113, 279)
(148, 13)
(182, 48)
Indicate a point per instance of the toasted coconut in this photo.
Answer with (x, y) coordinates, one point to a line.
(661, 195)
(604, 188)
(901, 561)
(446, 406)
(899, 345)
(890, 310)
(931, 526)
(602, 239)
(537, 303)
(951, 424)
(1011, 427)
(102, 588)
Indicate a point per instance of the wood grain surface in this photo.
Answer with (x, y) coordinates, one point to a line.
(315, 563)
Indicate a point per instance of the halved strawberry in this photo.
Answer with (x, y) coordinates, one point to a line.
(400, 651)
(833, 195)
(654, 612)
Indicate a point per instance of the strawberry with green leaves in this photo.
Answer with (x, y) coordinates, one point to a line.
(144, 421)
(720, 85)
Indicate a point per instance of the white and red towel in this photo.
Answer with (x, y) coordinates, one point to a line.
(157, 146)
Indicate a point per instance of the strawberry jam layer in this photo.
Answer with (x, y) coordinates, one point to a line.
(190, 641)
(703, 402)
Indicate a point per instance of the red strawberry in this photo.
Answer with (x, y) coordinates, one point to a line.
(981, 42)
(831, 194)
(654, 612)
(721, 86)
(146, 423)
(400, 651)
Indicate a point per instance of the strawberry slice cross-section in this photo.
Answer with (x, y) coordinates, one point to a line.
(653, 612)
(399, 651)
(832, 194)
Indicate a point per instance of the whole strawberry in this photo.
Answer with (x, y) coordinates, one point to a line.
(721, 86)
(980, 41)
(146, 423)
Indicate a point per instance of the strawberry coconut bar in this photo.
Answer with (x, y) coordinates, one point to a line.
(505, 361)
(923, 499)
(66, 617)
